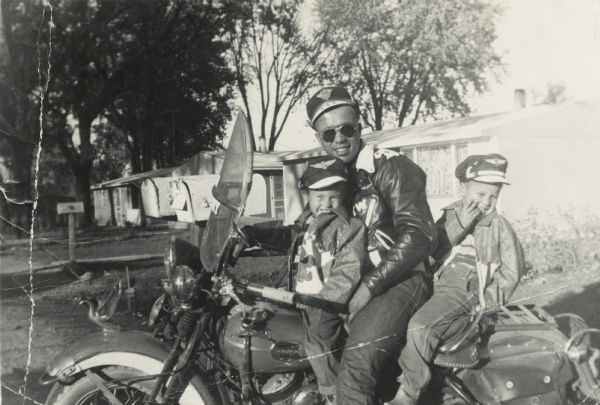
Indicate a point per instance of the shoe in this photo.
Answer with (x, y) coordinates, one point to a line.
(402, 398)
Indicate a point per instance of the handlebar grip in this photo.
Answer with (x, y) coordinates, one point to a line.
(272, 294)
(291, 298)
(325, 305)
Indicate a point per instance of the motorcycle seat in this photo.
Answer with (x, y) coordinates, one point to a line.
(462, 350)
(465, 356)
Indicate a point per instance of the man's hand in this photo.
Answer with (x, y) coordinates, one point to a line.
(468, 213)
(359, 300)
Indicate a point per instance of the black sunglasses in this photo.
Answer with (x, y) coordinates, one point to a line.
(348, 130)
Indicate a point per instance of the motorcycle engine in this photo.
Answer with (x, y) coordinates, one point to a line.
(287, 388)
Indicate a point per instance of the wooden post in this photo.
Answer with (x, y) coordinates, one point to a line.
(71, 237)
(70, 209)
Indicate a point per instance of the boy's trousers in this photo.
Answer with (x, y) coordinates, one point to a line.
(322, 331)
(441, 318)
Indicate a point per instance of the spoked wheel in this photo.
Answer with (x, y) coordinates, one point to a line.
(126, 384)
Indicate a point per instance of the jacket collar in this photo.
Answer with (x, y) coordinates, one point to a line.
(366, 160)
(322, 221)
(485, 221)
(342, 212)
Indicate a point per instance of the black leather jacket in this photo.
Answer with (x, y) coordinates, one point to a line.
(394, 187)
(392, 202)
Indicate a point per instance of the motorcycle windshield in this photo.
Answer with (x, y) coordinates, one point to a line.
(231, 192)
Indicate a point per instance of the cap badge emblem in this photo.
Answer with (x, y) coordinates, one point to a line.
(323, 165)
(496, 161)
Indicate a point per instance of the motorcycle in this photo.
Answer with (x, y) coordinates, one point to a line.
(222, 340)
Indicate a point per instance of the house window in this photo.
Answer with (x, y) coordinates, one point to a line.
(436, 161)
(277, 200)
(439, 163)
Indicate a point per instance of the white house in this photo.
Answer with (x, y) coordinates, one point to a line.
(124, 193)
(553, 153)
(268, 167)
(202, 169)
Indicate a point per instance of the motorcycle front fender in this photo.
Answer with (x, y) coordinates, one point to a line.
(131, 349)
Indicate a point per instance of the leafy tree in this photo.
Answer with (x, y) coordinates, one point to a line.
(111, 157)
(88, 71)
(274, 59)
(176, 100)
(19, 108)
(112, 58)
(555, 92)
(154, 68)
(406, 60)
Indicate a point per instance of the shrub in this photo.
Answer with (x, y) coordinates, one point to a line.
(559, 243)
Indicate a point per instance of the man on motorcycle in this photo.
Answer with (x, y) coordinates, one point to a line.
(401, 235)
(481, 264)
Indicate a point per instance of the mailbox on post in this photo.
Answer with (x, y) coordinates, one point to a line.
(70, 209)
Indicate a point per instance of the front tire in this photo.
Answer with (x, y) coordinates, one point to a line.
(84, 392)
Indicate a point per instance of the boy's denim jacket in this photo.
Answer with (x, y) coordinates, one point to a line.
(332, 256)
(500, 258)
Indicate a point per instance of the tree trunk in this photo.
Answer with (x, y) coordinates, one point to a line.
(406, 107)
(378, 119)
(272, 142)
(82, 179)
(262, 144)
(84, 168)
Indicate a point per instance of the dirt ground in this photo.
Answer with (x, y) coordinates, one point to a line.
(14, 256)
(58, 319)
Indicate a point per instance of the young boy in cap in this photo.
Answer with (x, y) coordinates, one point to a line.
(481, 264)
(331, 258)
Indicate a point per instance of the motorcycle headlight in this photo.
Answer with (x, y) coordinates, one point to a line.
(169, 260)
(183, 284)
(156, 310)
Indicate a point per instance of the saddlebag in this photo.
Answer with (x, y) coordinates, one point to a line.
(521, 370)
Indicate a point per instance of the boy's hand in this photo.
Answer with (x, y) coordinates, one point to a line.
(359, 300)
(468, 213)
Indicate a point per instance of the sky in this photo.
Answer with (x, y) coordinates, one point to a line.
(546, 41)
(541, 41)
